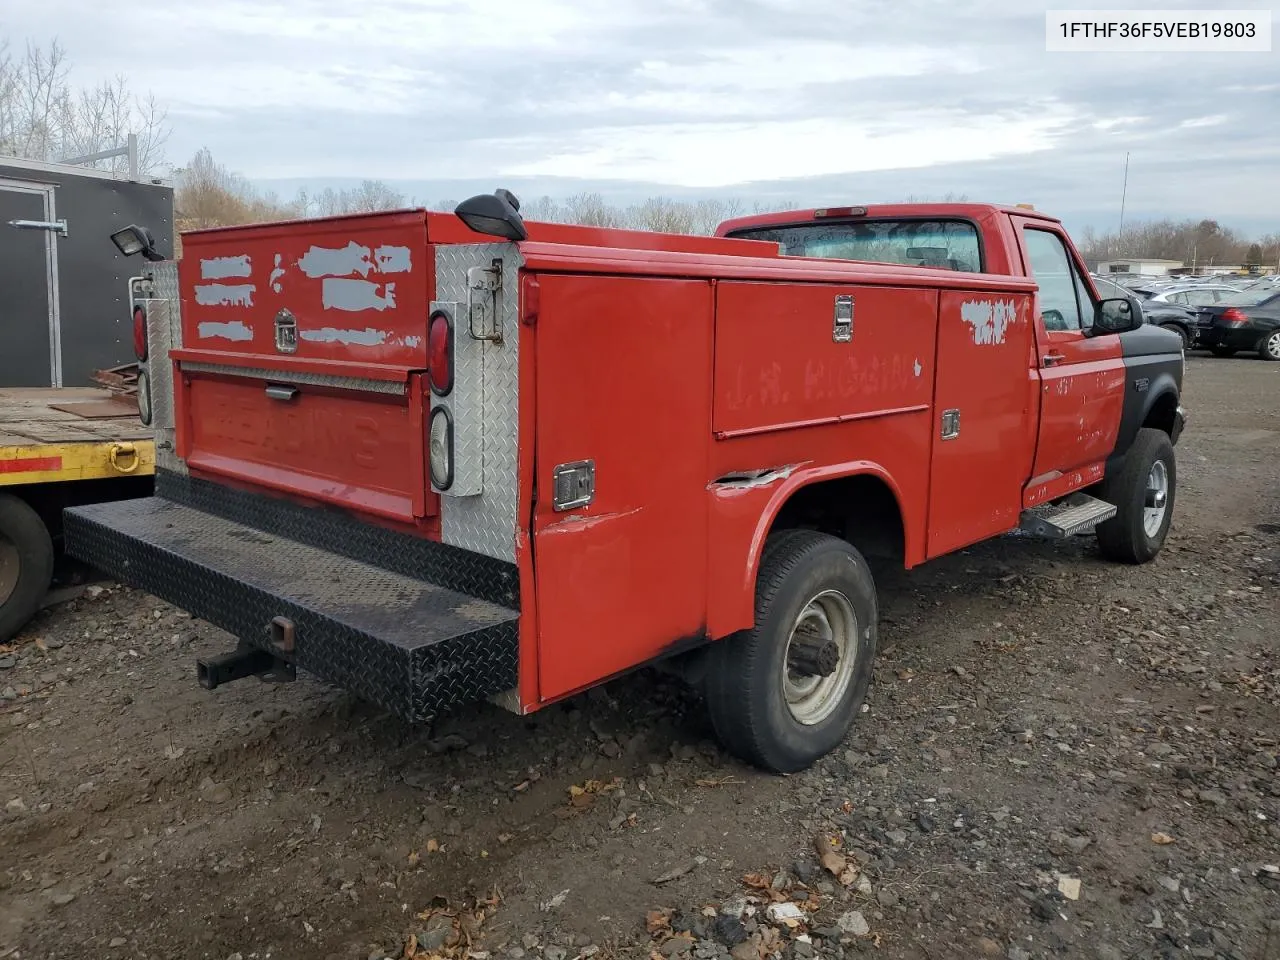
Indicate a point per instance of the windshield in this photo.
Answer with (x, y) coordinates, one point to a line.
(945, 244)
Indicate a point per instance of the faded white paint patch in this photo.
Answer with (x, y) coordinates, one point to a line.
(354, 295)
(412, 341)
(225, 294)
(223, 268)
(990, 319)
(276, 273)
(368, 337)
(336, 262)
(393, 259)
(917, 368)
(231, 330)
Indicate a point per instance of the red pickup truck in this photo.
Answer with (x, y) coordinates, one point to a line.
(434, 458)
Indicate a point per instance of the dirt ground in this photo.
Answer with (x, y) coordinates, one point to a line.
(1060, 758)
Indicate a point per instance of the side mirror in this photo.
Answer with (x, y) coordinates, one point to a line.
(496, 214)
(135, 239)
(1117, 315)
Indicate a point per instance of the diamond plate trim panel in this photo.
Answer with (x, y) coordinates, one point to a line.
(164, 332)
(362, 384)
(486, 523)
(328, 528)
(411, 647)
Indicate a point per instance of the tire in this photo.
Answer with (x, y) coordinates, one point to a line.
(1129, 537)
(1223, 351)
(26, 564)
(756, 688)
(1181, 331)
(1269, 346)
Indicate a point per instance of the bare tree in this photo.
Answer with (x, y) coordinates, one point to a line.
(369, 197)
(210, 195)
(43, 117)
(1191, 241)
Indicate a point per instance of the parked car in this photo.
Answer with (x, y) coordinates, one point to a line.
(1248, 321)
(1198, 295)
(1180, 320)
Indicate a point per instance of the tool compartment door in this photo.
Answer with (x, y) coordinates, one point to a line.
(985, 429)
(362, 449)
(622, 380)
(338, 290)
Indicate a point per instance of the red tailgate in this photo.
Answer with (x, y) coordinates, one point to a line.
(302, 344)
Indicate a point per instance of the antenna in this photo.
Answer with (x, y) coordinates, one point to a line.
(1124, 192)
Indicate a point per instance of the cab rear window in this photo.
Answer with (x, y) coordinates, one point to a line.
(943, 244)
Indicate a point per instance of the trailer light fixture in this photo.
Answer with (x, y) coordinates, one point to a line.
(440, 447)
(496, 214)
(135, 239)
(144, 397)
(140, 333)
(440, 353)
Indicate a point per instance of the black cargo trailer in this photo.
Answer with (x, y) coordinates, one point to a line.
(63, 285)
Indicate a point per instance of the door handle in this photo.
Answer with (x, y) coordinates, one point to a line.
(56, 226)
(280, 391)
(1052, 359)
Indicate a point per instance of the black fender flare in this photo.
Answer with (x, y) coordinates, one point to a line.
(1152, 398)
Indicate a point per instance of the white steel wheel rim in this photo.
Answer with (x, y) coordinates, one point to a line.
(10, 568)
(1157, 501)
(1273, 345)
(828, 617)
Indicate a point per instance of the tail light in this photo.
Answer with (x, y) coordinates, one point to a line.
(140, 333)
(1234, 317)
(440, 353)
(144, 397)
(440, 448)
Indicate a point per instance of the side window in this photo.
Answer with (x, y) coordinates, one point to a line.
(1087, 306)
(1051, 269)
(1199, 298)
(1178, 298)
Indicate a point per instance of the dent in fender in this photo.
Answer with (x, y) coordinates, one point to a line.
(800, 477)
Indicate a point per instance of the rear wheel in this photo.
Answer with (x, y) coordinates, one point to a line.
(1269, 348)
(1180, 331)
(784, 693)
(26, 564)
(1143, 491)
(1223, 351)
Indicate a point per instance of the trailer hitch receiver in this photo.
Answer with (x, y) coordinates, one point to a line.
(245, 661)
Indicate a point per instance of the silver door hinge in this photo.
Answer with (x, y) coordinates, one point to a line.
(484, 302)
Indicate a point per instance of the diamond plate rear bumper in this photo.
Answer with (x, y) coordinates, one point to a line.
(413, 648)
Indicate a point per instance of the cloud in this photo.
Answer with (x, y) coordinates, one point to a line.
(763, 96)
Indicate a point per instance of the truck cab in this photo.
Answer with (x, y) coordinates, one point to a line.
(1081, 391)
(436, 458)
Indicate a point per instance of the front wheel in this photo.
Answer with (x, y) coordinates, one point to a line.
(1269, 347)
(1143, 491)
(784, 693)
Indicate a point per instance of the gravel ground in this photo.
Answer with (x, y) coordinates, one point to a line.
(1060, 757)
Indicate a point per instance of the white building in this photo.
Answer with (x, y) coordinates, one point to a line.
(1145, 267)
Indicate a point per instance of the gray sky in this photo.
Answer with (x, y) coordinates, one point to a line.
(815, 101)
